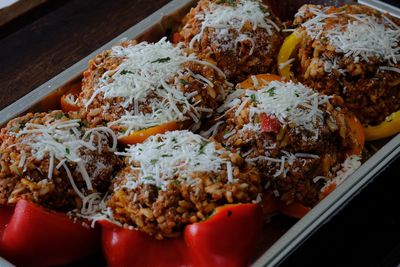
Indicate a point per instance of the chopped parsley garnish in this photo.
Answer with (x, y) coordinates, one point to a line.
(253, 98)
(184, 82)
(67, 150)
(153, 161)
(231, 2)
(176, 182)
(271, 91)
(226, 146)
(161, 60)
(126, 71)
(14, 128)
(59, 116)
(166, 155)
(158, 147)
(202, 146)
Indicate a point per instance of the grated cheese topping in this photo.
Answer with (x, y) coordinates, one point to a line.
(224, 18)
(363, 37)
(62, 140)
(283, 162)
(350, 165)
(149, 76)
(288, 102)
(163, 158)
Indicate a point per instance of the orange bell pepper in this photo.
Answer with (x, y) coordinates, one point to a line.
(357, 134)
(141, 135)
(263, 79)
(66, 104)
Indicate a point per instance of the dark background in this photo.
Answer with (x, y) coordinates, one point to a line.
(50, 38)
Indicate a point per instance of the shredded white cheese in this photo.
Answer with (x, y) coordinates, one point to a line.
(288, 102)
(223, 18)
(62, 140)
(162, 159)
(149, 75)
(349, 166)
(363, 37)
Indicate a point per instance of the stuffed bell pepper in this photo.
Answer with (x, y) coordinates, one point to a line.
(352, 51)
(51, 164)
(302, 143)
(182, 200)
(141, 89)
(240, 36)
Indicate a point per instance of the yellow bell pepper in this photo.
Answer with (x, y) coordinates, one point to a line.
(289, 46)
(390, 126)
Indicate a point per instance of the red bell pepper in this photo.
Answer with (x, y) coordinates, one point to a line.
(32, 236)
(227, 238)
(269, 123)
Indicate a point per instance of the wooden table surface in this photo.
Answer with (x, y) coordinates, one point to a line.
(49, 39)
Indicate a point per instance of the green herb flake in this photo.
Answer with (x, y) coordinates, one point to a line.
(232, 2)
(166, 155)
(123, 72)
(202, 146)
(253, 98)
(14, 128)
(184, 82)
(153, 161)
(160, 146)
(176, 182)
(67, 150)
(19, 172)
(271, 91)
(226, 146)
(59, 116)
(161, 60)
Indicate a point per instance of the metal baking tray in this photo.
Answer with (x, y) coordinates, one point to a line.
(282, 235)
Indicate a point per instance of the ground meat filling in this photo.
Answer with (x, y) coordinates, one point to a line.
(295, 137)
(177, 179)
(352, 51)
(44, 156)
(136, 86)
(242, 37)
